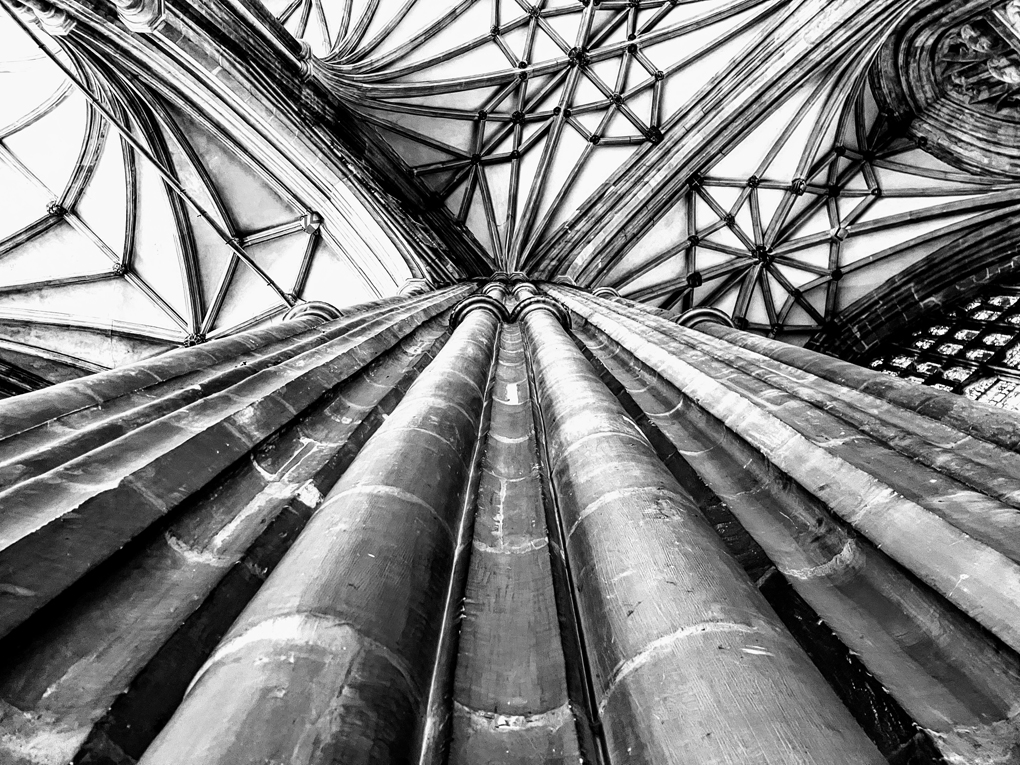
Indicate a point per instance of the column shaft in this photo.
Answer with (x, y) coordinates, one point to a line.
(68, 437)
(689, 662)
(438, 715)
(334, 658)
(972, 483)
(810, 448)
(42, 409)
(109, 673)
(511, 701)
(939, 665)
(977, 420)
(59, 524)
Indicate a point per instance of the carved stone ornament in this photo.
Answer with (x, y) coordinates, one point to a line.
(54, 21)
(951, 73)
(141, 15)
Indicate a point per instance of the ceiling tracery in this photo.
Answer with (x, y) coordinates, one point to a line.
(530, 123)
(113, 249)
(817, 206)
(512, 112)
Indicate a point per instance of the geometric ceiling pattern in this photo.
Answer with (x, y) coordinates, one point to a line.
(132, 221)
(514, 113)
(102, 259)
(814, 208)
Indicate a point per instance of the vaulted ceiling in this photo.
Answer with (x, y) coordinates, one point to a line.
(735, 153)
(513, 113)
(524, 117)
(131, 223)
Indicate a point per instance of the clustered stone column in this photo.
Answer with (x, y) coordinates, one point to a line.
(333, 660)
(674, 630)
(890, 508)
(517, 695)
(435, 530)
(143, 506)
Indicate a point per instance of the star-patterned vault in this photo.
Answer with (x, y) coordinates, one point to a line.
(511, 112)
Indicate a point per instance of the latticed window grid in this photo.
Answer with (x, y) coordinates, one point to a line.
(972, 347)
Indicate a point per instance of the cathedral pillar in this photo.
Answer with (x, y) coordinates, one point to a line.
(687, 660)
(335, 658)
(433, 530)
(890, 508)
(144, 507)
(518, 692)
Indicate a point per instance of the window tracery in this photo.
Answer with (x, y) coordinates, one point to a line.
(982, 358)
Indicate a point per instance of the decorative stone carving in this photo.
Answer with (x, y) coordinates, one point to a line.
(311, 222)
(54, 21)
(141, 15)
(950, 75)
(979, 62)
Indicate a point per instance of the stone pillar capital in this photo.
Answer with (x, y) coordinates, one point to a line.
(483, 302)
(415, 286)
(541, 302)
(495, 288)
(54, 21)
(318, 308)
(522, 290)
(141, 15)
(305, 59)
(696, 316)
